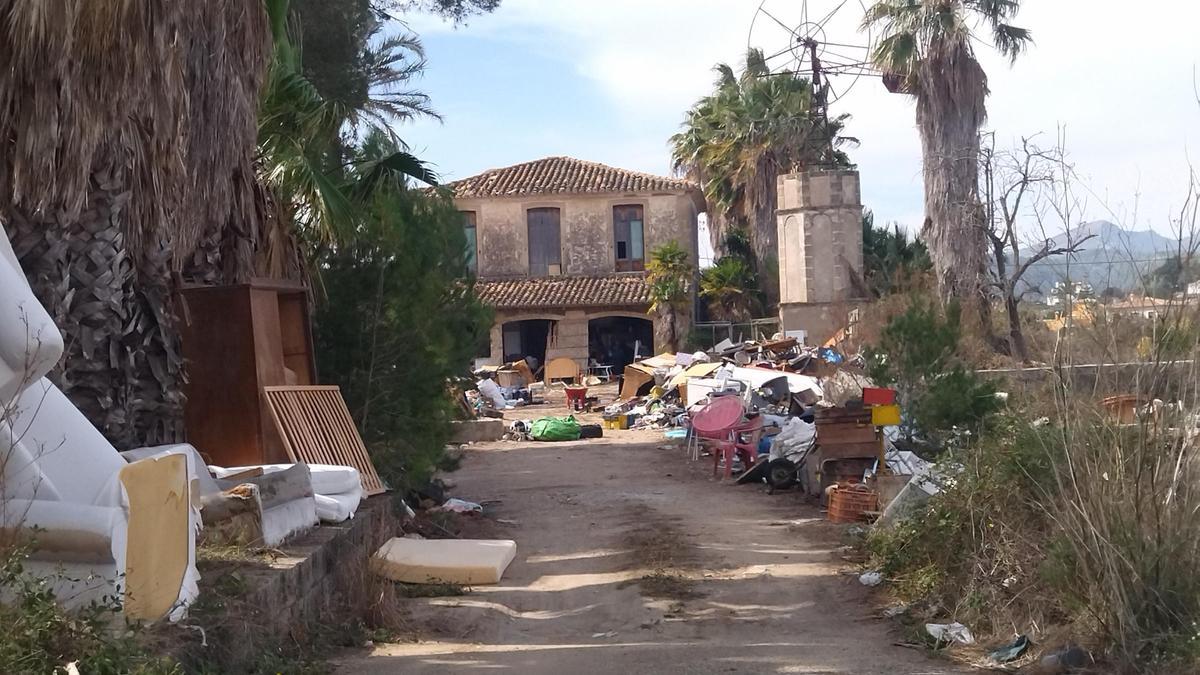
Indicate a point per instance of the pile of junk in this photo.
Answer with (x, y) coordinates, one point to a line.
(776, 412)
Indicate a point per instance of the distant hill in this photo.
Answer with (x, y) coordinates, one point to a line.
(1115, 257)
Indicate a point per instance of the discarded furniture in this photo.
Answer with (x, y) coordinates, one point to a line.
(336, 490)
(315, 427)
(847, 446)
(475, 431)
(561, 368)
(601, 371)
(101, 526)
(249, 506)
(237, 340)
(721, 423)
(450, 561)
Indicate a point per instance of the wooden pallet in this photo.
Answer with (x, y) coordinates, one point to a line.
(316, 428)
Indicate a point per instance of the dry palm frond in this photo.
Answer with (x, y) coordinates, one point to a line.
(166, 92)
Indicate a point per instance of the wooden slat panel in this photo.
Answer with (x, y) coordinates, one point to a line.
(316, 428)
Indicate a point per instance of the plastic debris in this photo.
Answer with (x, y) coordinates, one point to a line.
(461, 506)
(870, 578)
(1011, 651)
(950, 632)
(1064, 659)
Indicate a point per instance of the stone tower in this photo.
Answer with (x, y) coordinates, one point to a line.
(819, 218)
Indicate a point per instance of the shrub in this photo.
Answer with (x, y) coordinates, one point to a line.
(37, 636)
(400, 319)
(975, 550)
(918, 354)
(1083, 521)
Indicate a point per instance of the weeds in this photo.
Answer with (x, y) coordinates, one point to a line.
(430, 590)
(38, 636)
(1080, 523)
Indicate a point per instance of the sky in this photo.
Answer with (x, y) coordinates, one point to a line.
(610, 82)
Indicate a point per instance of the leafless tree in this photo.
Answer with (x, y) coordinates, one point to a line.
(1024, 189)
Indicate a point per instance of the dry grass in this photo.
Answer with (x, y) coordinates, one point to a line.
(1084, 527)
(656, 543)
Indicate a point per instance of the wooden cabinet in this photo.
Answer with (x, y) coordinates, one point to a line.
(237, 340)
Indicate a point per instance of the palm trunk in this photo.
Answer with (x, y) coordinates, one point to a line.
(122, 367)
(950, 111)
(766, 234)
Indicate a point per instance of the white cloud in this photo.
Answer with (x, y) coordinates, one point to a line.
(1119, 78)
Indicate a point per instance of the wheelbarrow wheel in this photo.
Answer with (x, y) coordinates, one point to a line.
(781, 474)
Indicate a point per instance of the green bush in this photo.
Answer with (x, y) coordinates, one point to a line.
(1081, 523)
(977, 547)
(398, 320)
(37, 636)
(941, 398)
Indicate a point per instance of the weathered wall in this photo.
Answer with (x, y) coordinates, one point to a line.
(570, 338)
(320, 580)
(586, 227)
(820, 235)
(819, 222)
(821, 319)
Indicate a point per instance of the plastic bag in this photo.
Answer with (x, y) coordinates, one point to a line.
(555, 429)
(950, 632)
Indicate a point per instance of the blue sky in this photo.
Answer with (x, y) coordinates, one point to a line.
(610, 82)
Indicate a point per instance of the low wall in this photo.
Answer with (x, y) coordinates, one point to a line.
(251, 607)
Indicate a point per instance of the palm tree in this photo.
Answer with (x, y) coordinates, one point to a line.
(669, 278)
(731, 289)
(316, 194)
(737, 140)
(891, 260)
(926, 50)
(129, 131)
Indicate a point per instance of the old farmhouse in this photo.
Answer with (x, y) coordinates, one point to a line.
(559, 248)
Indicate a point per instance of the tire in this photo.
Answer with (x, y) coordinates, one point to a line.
(781, 474)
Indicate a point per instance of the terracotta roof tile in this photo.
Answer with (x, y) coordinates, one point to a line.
(554, 292)
(563, 175)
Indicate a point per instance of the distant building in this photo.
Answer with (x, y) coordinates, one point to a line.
(1064, 292)
(1145, 307)
(560, 246)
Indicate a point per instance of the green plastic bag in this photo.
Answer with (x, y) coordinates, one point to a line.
(555, 429)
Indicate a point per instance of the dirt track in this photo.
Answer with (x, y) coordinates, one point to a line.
(738, 581)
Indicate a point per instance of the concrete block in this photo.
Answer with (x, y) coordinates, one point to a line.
(474, 431)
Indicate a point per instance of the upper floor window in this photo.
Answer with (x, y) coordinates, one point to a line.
(472, 241)
(545, 244)
(627, 234)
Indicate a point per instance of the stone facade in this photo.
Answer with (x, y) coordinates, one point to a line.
(819, 220)
(585, 195)
(586, 229)
(570, 334)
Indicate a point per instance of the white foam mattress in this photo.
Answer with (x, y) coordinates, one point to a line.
(452, 561)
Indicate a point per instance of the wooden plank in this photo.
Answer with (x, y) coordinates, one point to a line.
(316, 428)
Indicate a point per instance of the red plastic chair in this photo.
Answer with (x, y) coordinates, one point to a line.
(721, 423)
(745, 438)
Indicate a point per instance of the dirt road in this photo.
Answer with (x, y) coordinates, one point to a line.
(632, 560)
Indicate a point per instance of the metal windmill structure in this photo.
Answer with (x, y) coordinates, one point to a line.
(819, 39)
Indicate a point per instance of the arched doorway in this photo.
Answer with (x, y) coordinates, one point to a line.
(527, 338)
(618, 341)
